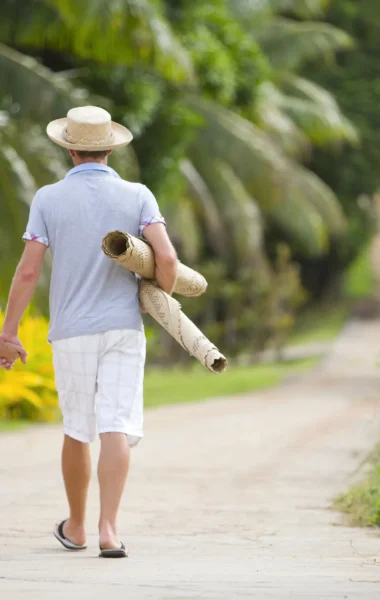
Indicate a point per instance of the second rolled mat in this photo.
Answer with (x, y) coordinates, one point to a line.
(167, 312)
(137, 256)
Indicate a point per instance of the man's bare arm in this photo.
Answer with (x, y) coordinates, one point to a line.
(23, 287)
(165, 256)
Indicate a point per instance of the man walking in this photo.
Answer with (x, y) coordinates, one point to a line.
(96, 326)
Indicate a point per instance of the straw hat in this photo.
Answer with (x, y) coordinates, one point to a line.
(88, 128)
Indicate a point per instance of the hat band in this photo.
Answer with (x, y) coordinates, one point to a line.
(85, 142)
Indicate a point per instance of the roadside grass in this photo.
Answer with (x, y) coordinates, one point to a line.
(320, 323)
(13, 425)
(361, 504)
(324, 322)
(195, 383)
(359, 279)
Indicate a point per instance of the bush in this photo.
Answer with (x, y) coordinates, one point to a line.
(362, 503)
(28, 391)
(241, 313)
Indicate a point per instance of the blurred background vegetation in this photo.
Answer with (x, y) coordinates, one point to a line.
(255, 125)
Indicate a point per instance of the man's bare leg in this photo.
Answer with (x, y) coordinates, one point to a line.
(76, 469)
(112, 472)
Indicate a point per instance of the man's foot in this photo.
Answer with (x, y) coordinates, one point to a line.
(70, 535)
(121, 552)
(109, 542)
(108, 539)
(74, 533)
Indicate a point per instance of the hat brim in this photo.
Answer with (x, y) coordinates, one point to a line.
(121, 137)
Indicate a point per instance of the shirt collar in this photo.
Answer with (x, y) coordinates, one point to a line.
(92, 166)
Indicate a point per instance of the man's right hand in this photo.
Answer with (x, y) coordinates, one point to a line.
(10, 350)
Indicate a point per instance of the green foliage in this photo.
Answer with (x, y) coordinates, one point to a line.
(289, 196)
(7, 426)
(255, 12)
(195, 384)
(316, 112)
(359, 278)
(222, 125)
(362, 503)
(172, 130)
(244, 315)
(22, 75)
(320, 323)
(214, 63)
(228, 62)
(28, 393)
(302, 9)
(129, 32)
(355, 82)
(290, 44)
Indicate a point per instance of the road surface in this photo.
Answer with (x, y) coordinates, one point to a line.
(226, 499)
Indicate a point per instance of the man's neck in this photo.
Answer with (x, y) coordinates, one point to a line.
(102, 161)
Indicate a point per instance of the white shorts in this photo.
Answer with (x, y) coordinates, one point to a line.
(99, 380)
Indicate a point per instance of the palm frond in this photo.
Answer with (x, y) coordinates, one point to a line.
(24, 182)
(319, 195)
(184, 229)
(282, 129)
(125, 162)
(369, 12)
(316, 112)
(240, 213)
(17, 188)
(290, 44)
(303, 9)
(206, 207)
(18, 183)
(46, 162)
(299, 113)
(278, 184)
(129, 32)
(31, 90)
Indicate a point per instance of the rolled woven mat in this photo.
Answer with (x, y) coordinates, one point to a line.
(167, 312)
(137, 256)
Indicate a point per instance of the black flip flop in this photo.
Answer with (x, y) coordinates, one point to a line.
(58, 532)
(115, 553)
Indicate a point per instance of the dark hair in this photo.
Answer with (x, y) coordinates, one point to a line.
(92, 153)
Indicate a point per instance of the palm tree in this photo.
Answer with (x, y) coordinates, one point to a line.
(128, 32)
(31, 94)
(258, 118)
(241, 173)
(289, 115)
(27, 158)
(289, 195)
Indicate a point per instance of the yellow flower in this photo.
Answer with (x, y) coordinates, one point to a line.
(28, 391)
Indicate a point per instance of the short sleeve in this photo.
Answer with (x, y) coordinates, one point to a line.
(36, 229)
(150, 212)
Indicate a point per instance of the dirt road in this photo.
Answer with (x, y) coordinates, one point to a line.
(226, 499)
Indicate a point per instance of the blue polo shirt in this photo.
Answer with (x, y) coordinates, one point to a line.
(88, 292)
